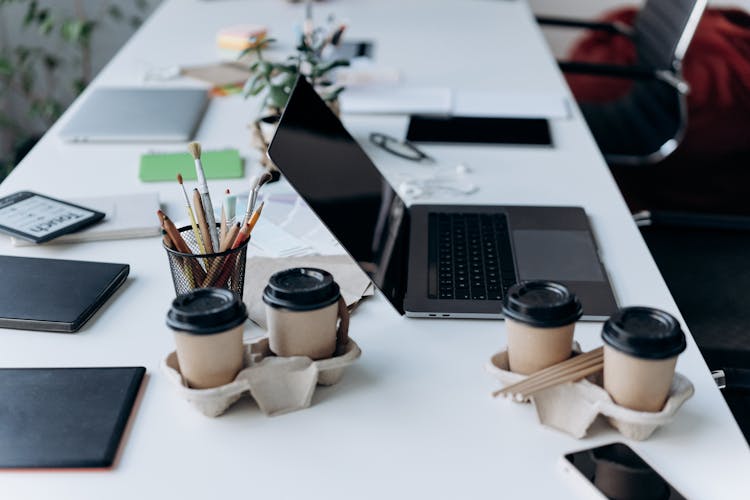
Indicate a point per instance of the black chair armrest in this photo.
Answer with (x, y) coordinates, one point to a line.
(615, 70)
(667, 218)
(629, 72)
(615, 28)
(732, 378)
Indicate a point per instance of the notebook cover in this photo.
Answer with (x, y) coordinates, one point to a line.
(64, 417)
(54, 295)
(225, 164)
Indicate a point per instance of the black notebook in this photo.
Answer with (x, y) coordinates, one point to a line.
(64, 417)
(54, 295)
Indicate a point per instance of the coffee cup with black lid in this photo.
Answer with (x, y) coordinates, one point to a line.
(305, 313)
(641, 345)
(540, 319)
(208, 325)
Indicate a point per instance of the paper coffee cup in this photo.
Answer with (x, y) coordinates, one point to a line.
(208, 325)
(641, 345)
(303, 307)
(540, 318)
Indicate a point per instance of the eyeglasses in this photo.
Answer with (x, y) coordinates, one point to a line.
(403, 149)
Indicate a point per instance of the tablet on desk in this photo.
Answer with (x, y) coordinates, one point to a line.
(479, 130)
(39, 218)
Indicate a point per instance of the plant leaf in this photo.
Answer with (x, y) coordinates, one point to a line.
(253, 86)
(277, 97)
(322, 69)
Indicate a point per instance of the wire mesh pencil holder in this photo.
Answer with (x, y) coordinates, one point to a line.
(220, 270)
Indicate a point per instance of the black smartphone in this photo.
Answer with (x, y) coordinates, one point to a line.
(616, 471)
(39, 218)
(479, 130)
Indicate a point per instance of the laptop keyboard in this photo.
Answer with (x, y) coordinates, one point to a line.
(469, 256)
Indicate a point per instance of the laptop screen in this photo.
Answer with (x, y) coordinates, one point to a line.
(330, 171)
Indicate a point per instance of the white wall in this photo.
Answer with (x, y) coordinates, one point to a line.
(108, 38)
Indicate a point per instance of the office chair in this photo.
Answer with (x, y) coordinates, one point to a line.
(703, 259)
(648, 123)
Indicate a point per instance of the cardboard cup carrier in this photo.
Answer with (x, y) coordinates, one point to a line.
(540, 318)
(641, 345)
(208, 324)
(305, 313)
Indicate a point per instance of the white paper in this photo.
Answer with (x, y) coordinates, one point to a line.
(396, 100)
(273, 241)
(509, 105)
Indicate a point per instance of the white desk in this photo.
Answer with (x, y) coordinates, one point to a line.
(413, 417)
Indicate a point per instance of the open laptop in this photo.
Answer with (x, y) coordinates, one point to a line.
(147, 114)
(442, 261)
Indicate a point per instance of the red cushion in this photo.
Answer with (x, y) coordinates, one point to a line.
(717, 67)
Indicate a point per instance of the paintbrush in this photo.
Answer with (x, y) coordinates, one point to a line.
(253, 198)
(208, 208)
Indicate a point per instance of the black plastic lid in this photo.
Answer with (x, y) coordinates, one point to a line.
(206, 310)
(301, 289)
(644, 332)
(544, 304)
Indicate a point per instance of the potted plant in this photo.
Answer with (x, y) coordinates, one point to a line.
(274, 80)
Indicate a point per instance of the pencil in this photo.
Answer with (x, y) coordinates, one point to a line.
(173, 233)
(254, 219)
(230, 237)
(192, 274)
(167, 241)
(201, 213)
(244, 233)
(196, 231)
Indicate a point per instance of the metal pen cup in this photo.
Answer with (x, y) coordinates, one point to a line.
(218, 270)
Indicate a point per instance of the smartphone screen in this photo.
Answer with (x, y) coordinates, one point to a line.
(478, 130)
(616, 471)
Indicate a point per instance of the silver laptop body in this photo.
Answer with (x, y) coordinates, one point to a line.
(157, 114)
(414, 254)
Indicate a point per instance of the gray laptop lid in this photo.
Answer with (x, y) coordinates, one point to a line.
(332, 173)
(137, 115)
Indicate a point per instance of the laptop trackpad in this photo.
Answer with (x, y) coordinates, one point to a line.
(556, 255)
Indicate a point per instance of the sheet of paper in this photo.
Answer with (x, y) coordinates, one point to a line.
(389, 99)
(509, 105)
(273, 241)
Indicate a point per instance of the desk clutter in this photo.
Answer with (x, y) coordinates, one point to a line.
(278, 385)
(207, 253)
(126, 216)
(631, 380)
(307, 344)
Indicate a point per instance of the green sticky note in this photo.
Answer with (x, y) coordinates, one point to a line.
(225, 164)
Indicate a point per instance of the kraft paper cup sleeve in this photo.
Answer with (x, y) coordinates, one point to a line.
(573, 407)
(278, 385)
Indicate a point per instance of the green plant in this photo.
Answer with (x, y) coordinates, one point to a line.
(276, 79)
(59, 44)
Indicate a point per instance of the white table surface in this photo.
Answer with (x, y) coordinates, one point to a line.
(413, 418)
